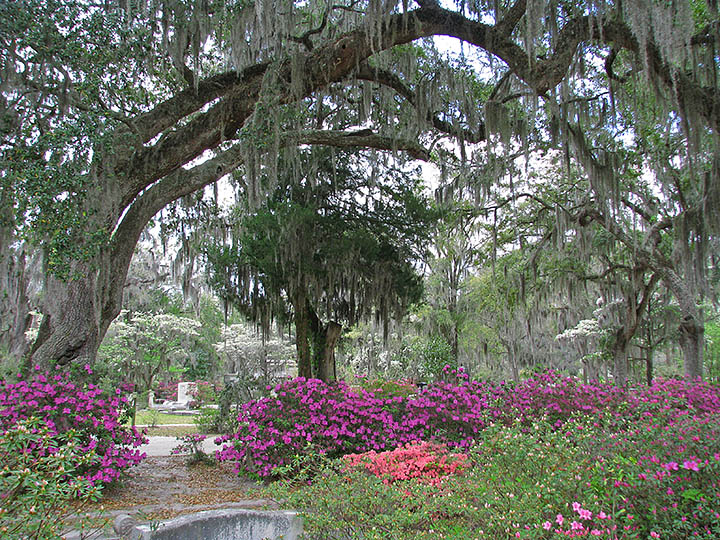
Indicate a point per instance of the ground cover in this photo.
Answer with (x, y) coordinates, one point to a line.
(147, 417)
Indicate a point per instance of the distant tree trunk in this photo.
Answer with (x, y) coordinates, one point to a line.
(454, 340)
(620, 361)
(512, 352)
(15, 318)
(649, 367)
(634, 311)
(691, 341)
(590, 370)
(692, 329)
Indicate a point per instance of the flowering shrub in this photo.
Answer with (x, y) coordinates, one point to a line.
(62, 405)
(427, 461)
(203, 393)
(307, 416)
(166, 390)
(549, 458)
(37, 489)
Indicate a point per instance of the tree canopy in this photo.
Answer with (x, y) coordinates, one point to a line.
(112, 110)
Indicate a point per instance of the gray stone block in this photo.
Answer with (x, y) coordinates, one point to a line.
(227, 524)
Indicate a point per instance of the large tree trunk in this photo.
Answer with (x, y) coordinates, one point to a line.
(70, 329)
(324, 339)
(78, 311)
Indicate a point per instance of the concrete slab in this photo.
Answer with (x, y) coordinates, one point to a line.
(163, 446)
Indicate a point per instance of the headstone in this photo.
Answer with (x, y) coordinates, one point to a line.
(124, 525)
(185, 392)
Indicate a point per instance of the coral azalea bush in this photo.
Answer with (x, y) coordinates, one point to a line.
(62, 405)
(429, 462)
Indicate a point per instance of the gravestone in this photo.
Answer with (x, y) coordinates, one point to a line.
(185, 393)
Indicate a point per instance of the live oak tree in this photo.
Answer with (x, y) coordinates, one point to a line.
(329, 249)
(107, 106)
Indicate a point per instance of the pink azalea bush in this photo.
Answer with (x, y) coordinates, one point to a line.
(307, 416)
(37, 492)
(63, 405)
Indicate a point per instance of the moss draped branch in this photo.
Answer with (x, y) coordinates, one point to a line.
(337, 60)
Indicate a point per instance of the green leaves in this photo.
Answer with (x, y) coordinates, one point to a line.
(37, 486)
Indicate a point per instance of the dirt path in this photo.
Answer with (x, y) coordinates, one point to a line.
(163, 487)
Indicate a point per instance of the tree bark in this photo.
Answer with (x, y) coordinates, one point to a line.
(70, 328)
(324, 339)
(691, 341)
(620, 363)
(15, 318)
(649, 367)
(325, 351)
(634, 312)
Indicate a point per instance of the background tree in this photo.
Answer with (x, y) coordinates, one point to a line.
(334, 248)
(255, 360)
(147, 345)
(454, 253)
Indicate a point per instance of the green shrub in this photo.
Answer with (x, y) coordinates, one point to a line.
(208, 420)
(387, 389)
(434, 354)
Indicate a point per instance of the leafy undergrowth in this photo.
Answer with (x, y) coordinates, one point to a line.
(651, 480)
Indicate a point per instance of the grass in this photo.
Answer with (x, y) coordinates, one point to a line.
(147, 417)
(170, 431)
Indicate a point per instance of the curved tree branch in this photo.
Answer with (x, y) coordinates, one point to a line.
(389, 79)
(335, 60)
